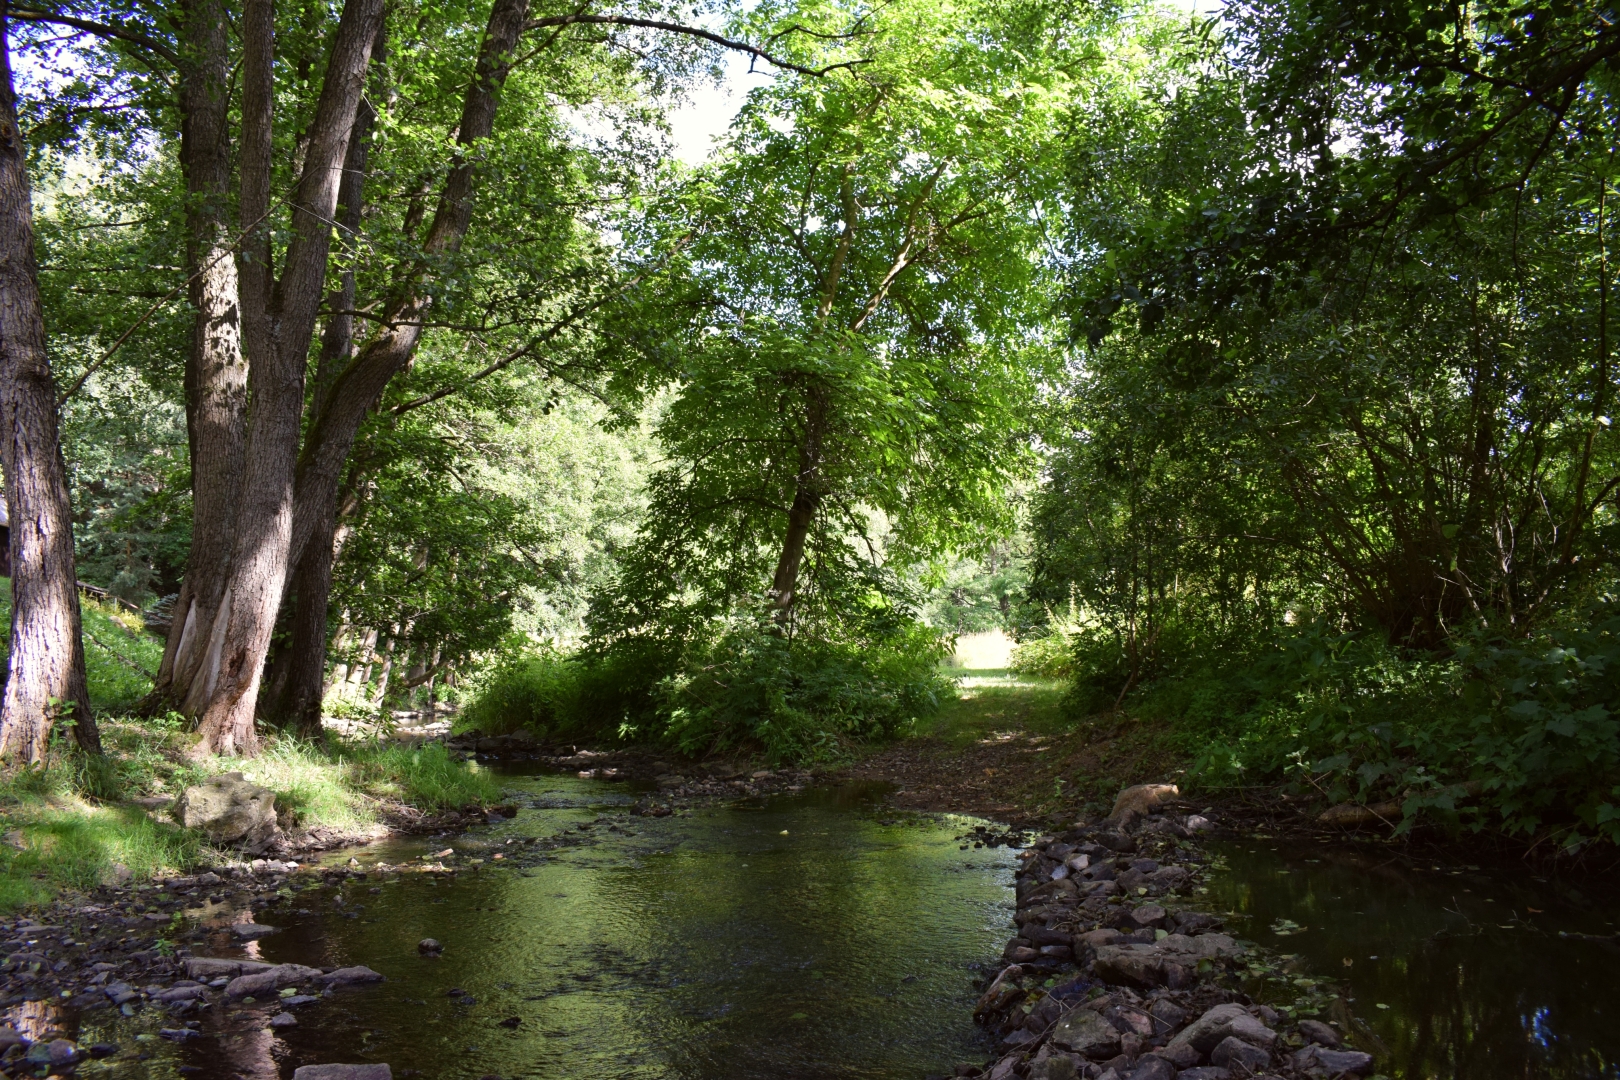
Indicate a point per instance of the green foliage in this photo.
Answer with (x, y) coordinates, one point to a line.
(539, 692)
(1517, 736)
(1051, 656)
(804, 699)
(120, 656)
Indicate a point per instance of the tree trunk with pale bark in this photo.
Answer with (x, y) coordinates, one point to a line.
(216, 370)
(278, 325)
(46, 677)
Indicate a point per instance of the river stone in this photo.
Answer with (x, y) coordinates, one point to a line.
(1180, 1054)
(1153, 1067)
(9, 1037)
(268, 982)
(1239, 1056)
(1202, 1034)
(1317, 1032)
(283, 1020)
(1168, 878)
(1143, 966)
(208, 967)
(58, 1054)
(1169, 1015)
(1205, 1072)
(1084, 1032)
(1056, 1067)
(1152, 915)
(252, 931)
(343, 1072)
(229, 809)
(1333, 1062)
(351, 976)
(429, 946)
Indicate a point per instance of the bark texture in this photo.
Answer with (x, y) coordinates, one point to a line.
(46, 677)
(279, 325)
(216, 371)
(807, 496)
(354, 392)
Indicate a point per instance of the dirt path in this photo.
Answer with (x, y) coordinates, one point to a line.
(1017, 774)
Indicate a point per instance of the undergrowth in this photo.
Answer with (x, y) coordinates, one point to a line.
(1513, 735)
(72, 824)
(744, 685)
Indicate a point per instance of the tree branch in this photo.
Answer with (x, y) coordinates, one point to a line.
(690, 31)
(102, 30)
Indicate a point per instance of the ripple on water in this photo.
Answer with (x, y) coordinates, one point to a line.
(794, 937)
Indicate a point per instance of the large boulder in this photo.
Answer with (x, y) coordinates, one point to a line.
(343, 1072)
(229, 809)
(1085, 1032)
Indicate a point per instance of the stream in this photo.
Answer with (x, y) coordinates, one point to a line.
(823, 934)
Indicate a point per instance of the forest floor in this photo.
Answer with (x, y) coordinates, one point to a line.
(1005, 749)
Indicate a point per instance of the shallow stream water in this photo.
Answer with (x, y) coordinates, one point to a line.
(1448, 970)
(813, 935)
(822, 934)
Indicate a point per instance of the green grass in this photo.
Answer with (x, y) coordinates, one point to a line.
(56, 837)
(120, 656)
(70, 826)
(993, 699)
(340, 784)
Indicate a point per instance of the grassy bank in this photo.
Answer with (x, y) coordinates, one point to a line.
(76, 823)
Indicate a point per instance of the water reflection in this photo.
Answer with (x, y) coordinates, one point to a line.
(802, 937)
(1455, 971)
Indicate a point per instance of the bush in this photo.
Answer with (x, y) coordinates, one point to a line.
(539, 692)
(1049, 657)
(1520, 736)
(803, 698)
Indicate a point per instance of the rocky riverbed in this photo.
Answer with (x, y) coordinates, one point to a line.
(1116, 973)
(181, 947)
(1117, 970)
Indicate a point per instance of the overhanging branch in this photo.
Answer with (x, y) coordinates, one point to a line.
(690, 31)
(102, 30)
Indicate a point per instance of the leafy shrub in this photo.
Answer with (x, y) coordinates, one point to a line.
(1049, 657)
(801, 698)
(539, 691)
(1516, 735)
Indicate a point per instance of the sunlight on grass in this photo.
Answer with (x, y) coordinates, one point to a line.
(69, 826)
(994, 700)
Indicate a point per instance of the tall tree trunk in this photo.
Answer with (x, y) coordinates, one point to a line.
(807, 496)
(216, 371)
(354, 391)
(46, 675)
(278, 329)
(295, 700)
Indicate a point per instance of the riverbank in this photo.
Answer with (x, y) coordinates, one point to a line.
(1116, 972)
(1005, 749)
(88, 822)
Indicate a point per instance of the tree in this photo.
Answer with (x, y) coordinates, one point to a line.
(1371, 328)
(867, 306)
(45, 676)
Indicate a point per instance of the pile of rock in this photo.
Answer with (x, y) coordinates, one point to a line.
(1111, 978)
